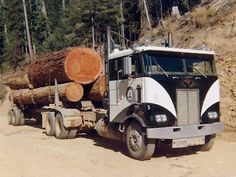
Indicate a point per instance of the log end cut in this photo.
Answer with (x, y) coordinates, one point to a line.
(74, 92)
(83, 65)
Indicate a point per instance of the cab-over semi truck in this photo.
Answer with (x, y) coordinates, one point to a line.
(153, 94)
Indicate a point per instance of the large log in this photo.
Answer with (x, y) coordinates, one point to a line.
(98, 89)
(82, 65)
(71, 92)
(16, 81)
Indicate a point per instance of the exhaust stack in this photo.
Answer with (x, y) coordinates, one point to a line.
(170, 40)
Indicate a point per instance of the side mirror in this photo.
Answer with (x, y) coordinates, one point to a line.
(127, 66)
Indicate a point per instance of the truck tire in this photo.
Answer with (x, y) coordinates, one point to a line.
(10, 117)
(16, 116)
(50, 125)
(22, 120)
(210, 141)
(72, 133)
(139, 147)
(60, 131)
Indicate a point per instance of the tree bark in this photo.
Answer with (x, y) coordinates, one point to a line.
(45, 95)
(28, 32)
(98, 89)
(81, 65)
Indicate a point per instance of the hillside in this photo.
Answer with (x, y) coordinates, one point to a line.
(214, 26)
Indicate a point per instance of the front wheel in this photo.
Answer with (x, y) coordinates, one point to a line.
(210, 141)
(139, 147)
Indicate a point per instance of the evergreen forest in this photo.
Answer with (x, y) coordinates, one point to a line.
(57, 24)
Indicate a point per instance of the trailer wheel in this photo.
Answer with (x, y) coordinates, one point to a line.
(50, 125)
(22, 120)
(139, 147)
(210, 141)
(72, 133)
(10, 117)
(60, 131)
(16, 117)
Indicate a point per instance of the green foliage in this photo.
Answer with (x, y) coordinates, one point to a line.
(39, 28)
(54, 13)
(2, 35)
(81, 15)
(14, 51)
(56, 24)
(55, 42)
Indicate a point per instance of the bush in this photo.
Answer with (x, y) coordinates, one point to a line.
(200, 17)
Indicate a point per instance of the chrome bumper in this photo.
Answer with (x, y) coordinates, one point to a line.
(184, 131)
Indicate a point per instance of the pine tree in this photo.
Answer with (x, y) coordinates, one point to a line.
(83, 15)
(56, 25)
(15, 47)
(132, 19)
(39, 28)
(2, 35)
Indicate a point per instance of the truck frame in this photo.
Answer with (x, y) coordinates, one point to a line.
(153, 94)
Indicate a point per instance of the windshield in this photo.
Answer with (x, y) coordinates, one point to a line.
(166, 63)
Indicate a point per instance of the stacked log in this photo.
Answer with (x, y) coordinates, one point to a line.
(17, 81)
(98, 89)
(72, 68)
(81, 65)
(45, 95)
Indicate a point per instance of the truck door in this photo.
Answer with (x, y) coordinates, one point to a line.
(123, 84)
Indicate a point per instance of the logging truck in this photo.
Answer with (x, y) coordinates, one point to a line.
(152, 95)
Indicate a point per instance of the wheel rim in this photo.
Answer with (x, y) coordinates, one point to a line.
(135, 140)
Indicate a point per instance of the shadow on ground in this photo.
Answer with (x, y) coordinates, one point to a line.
(117, 146)
(162, 150)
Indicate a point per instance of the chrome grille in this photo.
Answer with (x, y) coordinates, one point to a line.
(187, 107)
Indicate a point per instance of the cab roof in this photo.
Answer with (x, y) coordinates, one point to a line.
(123, 53)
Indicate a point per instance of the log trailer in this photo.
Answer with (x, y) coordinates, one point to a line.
(153, 95)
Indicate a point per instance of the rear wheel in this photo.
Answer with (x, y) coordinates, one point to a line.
(60, 131)
(72, 133)
(50, 125)
(139, 147)
(16, 117)
(22, 120)
(10, 117)
(210, 141)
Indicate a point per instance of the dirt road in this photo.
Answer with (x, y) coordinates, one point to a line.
(27, 152)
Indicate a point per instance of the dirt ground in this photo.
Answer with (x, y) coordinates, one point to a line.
(26, 151)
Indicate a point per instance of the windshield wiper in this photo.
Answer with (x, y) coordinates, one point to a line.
(197, 71)
(161, 69)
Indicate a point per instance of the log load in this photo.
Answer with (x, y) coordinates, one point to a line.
(82, 65)
(98, 89)
(71, 92)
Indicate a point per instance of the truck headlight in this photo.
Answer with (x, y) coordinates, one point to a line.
(212, 115)
(160, 118)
